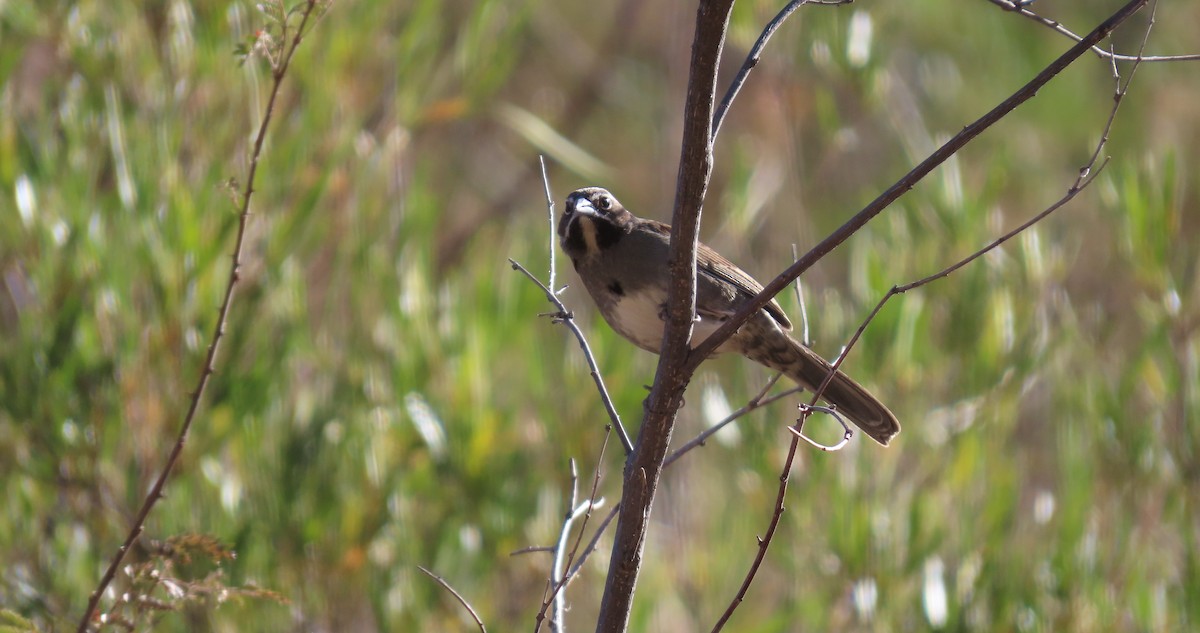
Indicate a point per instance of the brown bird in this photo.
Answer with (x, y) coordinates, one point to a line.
(622, 260)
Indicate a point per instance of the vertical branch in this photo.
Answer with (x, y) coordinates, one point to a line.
(1025, 93)
(550, 211)
(279, 68)
(902, 186)
(645, 466)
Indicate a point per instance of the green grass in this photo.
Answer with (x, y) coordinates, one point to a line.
(1048, 391)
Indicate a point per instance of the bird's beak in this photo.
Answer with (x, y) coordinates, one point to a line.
(584, 206)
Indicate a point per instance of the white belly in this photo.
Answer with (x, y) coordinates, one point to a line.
(639, 318)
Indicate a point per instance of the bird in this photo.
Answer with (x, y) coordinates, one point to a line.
(622, 261)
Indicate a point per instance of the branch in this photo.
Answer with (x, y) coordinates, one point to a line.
(1021, 8)
(666, 397)
(755, 56)
(457, 596)
(902, 186)
(1087, 175)
(558, 577)
(756, 402)
(567, 318)
(279, 68)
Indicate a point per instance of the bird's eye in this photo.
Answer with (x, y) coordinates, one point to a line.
(604, 202)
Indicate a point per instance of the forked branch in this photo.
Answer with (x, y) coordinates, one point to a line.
(1087, 175)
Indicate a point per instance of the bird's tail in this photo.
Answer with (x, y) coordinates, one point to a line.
(807, 369)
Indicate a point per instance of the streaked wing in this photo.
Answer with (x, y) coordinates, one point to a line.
(715, 265)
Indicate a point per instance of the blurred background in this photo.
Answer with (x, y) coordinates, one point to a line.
(387, 395)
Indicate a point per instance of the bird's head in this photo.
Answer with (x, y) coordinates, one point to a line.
(592, 219)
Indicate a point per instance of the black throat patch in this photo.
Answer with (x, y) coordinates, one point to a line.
(585, 234)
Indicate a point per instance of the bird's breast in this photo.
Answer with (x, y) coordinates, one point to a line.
(639, 317)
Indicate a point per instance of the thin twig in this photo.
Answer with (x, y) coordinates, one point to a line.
(644, 470)
(592, 544)
(278, 71)
(457, 596)
(558, 579)
(806, 336)
(558, 594)
(807, 410)
(550, 212)
(567, 318)
(755, 56)
(902, 186)
(1022, 9)
(559, 598)
(757, 402)
(1086, 176)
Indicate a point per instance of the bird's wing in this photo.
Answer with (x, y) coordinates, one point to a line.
(712, 263)
(720, 269)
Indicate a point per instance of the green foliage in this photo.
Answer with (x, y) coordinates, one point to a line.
(386, 395)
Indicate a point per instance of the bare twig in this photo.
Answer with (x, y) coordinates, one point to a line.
(1022, 9)
(805, 335)
(457, 596)
(757, 402)
(279, 68)
(1087, 175)
(567, 318)
(559, 579)
(591, 546)
(755, 56)
(670, 380)
(807, 410)
(552, 283)
(939, 156)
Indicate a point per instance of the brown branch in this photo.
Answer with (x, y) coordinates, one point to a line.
(755, 56)
(592, 544)
(559, 578)
(757, 402)
(1086, 177)
(567, 318)
(902, 186)
(279, 69)
(1021, 8)
(457, 596)
(666, 397)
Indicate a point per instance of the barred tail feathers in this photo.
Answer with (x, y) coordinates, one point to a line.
(807, 369)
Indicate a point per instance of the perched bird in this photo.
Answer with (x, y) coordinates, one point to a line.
(622, 260)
